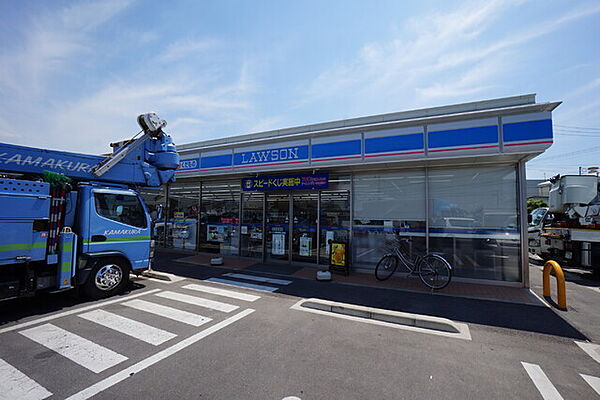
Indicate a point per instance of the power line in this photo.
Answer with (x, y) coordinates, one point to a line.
(568, 133)
(584, 128)
(573, 153)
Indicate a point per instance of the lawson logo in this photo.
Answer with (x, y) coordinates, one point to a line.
(272, 155)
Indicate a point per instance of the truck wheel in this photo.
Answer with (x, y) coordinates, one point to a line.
(109, 276)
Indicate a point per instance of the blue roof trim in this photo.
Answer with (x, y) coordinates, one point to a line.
(540, 129)
(345, 148)
(465, 136)
(394, 143)
(216, 161)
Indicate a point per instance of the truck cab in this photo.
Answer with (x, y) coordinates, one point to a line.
(538, 218)
(75, 220)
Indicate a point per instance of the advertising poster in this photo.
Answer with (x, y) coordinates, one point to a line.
(278, 244)
(338, 257)
(305, 246)
(216, 233)
(329, 237)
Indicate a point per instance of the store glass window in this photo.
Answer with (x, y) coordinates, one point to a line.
(182, 216)
(252, 225)
(387, 207)
(335, 214)
(474, 221)
(220, 217)
(155, 200)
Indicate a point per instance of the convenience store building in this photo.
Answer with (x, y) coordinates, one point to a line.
(451, 178)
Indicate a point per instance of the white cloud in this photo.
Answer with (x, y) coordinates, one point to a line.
(193, 108)
(443, 62)
(187, 48)
(50, 41)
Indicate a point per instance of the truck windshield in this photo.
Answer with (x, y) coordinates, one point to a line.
(536, 216)
(122, 208)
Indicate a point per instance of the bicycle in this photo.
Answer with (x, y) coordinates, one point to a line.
(435, 272)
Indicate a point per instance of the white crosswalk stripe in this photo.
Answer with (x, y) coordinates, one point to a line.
(592, 350)
(262, 288)
(258, 278)
(592, 381)
(541, 382)
(136, 329)
(198, 301)
(168, 312)
(84, 352)
(16, 385)
(222, 292)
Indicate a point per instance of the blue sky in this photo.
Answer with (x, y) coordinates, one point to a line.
(74, 75)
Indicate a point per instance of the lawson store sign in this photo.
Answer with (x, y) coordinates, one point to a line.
(283, 154)
(484, 136)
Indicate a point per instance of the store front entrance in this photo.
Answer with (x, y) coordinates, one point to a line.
(293, 230)
(291, 227)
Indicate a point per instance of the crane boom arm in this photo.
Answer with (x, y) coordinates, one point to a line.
(150, 160)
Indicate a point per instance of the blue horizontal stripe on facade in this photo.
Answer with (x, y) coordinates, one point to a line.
(461, 137)
(216, 161)
(433, 230)
(541, 129)
(387, 229)
(473, 231)
(345, 148)
(394, 143)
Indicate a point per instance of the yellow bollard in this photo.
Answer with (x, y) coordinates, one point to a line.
(560, 283)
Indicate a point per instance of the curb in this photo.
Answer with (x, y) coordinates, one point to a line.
(415, 322)
(156, 275)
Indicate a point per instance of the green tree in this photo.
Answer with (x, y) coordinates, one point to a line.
(532, 204)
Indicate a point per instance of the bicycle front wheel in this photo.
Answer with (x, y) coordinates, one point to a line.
(435, 271)
(386, 267)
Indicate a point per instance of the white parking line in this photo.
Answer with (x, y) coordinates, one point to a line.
(221, 292)
(142, 365)
(136, 329)
(243, 284)
(592, 381)
(16, 385)
(77, 349)
(75, 311)
(258, 278)
(541, 382)
(168, 312)
(198, 301)
(592, 350)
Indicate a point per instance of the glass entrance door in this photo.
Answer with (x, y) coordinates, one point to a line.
(277, 225)
(251, 230)
(335, 220)
(304, 227)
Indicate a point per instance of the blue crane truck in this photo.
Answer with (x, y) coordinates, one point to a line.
(74, 220)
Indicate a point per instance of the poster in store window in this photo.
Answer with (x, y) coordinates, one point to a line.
(278, 244)
(305, 246)
(217, 233)
(338, 258)
(329, 237)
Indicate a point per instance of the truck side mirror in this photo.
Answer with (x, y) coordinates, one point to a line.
(529, 218)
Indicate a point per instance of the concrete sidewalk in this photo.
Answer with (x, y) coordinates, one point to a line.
(399, 281)
(497, 310)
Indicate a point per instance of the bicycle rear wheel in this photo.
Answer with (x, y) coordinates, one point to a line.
(386, 267)
(435, 272)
